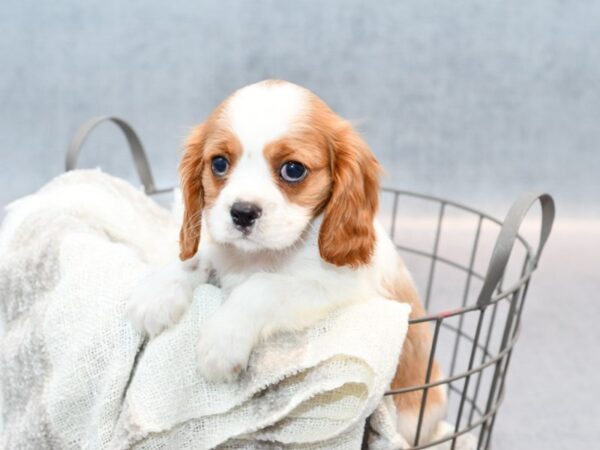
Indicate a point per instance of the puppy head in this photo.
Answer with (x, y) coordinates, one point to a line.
(268, 160)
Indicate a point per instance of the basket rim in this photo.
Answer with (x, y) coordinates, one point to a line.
(526, 275)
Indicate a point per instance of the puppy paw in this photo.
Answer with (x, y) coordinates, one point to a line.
(158, 302)
(223, 350)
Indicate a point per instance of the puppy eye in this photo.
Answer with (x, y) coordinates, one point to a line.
(220, 165)
(293, 171)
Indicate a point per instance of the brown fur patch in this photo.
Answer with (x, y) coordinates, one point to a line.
(221, 142)
(199, 186)
(412, 367)
(190, 170)
(309, 149)
(347, 236)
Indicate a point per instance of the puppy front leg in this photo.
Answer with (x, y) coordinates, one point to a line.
(264, 304)
(163, 294)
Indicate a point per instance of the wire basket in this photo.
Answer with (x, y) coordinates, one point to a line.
(473, 272)
(479, 320)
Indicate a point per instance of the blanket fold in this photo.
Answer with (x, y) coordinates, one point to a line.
(75, 374)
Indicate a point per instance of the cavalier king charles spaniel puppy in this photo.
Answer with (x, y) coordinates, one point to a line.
(280, 198)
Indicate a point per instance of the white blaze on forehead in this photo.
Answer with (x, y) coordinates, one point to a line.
(263, 112)
(257, 115)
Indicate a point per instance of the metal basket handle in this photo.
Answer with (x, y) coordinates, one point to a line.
(135, 146)
(508, 235)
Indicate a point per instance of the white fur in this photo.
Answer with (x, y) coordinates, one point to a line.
(265, 291)
(259, 114)
(263, 112)
(281, 222)
(163, 295)
(274, 278)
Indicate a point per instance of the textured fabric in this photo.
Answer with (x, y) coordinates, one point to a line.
(75, 374)
(384, 436)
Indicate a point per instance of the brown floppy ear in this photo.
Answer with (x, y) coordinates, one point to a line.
(190, 170)
(347, 235)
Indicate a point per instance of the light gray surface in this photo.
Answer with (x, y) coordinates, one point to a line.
(472, 100)
(553, 396)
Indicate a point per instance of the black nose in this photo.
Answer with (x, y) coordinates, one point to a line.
(244, 214)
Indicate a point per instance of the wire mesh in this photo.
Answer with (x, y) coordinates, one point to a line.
(447, 247)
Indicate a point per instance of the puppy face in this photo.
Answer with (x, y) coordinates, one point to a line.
(269, 159)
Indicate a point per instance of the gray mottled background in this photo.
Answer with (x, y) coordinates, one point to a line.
(473, 100)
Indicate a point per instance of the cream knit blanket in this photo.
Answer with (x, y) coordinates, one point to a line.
(74, 374)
